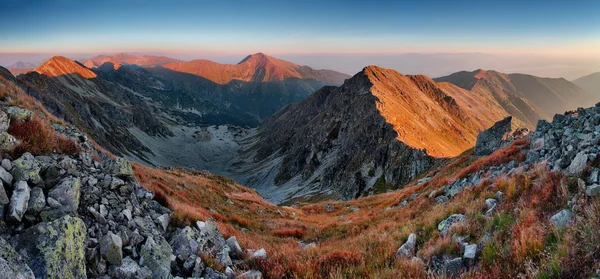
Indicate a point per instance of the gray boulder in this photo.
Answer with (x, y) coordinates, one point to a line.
(8, 142)
(156, 255)
(18, 113)
(19, 201)
(578, 163)
(111, 248)
(37, 200)
(492, 138)
(184, 244)
(6, 177)
(407, 250)
(67, 192)
(562, 218)
(212, 243)
(470, 252)
(592, 190)
(129, 269)
(119, 167)
(12, 264)
(27, 168)
(444, 226)
(235, 251)
(260, 254)
(4, 121)
(54, 249)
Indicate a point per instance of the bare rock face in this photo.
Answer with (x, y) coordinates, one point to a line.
(335, 143)
(492, 138)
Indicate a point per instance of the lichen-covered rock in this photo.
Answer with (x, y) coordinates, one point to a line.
(213, 244)
(54, 249)
(492, 138)
(156, 255)
(27, 168)
(37, 200)
(111, 248)
(444, 226)
(12, 264)
(129, 269)
(19, 201)
(8, 142)
(184, 243)
(4, 121)
(18, 113)
(67, 192)
(407, 250)
(119, 167)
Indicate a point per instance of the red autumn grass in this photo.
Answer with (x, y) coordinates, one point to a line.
(337, 260)
(500, 156)
(38, 139)
(289, 232)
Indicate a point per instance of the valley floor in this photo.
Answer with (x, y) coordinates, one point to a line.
(212, 148)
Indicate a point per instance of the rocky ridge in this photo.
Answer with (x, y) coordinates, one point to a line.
(568, 144)
(74, 217)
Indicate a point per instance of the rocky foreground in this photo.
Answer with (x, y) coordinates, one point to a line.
(67, 216)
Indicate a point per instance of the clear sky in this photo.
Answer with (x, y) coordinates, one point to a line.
(235, 28)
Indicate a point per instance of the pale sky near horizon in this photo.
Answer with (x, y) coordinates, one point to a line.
(339, 35)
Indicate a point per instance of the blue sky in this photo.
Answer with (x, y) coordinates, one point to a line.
(301, 26)
(222, 28)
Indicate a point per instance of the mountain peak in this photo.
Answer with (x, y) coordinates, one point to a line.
(60, 66)
(258, 59)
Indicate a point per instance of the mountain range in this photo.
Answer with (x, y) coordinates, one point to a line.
(376, 177)
(381, 129)
(278, 136)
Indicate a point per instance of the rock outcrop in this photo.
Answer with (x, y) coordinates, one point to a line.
(491, 139)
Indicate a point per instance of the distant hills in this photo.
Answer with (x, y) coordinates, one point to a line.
(255, 68)
(122, 58)
(526, 97)
(590, 83)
